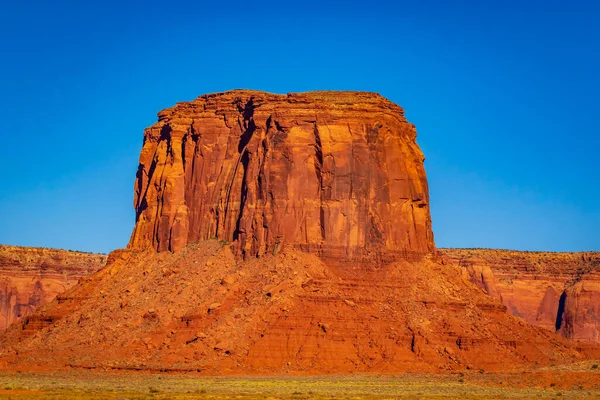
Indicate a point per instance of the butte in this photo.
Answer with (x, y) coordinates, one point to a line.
(281, 234)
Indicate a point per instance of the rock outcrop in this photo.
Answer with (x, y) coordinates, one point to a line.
(338, 174)
(30, 277)
(580, 311)
(557, 291)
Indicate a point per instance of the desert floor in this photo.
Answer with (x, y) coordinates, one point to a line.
(579, 381)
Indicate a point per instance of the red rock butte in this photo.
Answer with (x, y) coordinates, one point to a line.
(338, 174)
(293, 186)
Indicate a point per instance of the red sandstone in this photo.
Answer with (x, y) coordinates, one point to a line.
(557, 291)
(30, 277)
(283, 234)
(334, 173)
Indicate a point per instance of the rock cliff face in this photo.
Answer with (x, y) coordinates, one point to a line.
(557, 291)
(338, 174)
(581, 310)
(30, 277)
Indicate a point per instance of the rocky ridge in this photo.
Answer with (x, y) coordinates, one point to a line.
(557, 291)
(30, 277)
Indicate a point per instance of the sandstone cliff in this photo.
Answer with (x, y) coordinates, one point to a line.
(581, 309)
(30, 277)
(335, 173)
(557, 291)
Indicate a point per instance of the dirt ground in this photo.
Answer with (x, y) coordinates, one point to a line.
(575, 382)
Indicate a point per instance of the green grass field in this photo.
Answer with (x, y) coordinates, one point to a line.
(95, 385)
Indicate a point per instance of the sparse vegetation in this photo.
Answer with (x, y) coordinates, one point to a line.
(80, 384)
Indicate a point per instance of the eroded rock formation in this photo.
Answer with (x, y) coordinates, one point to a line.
(581, 310)
(335, 173)
(557, 291)
(30, 277)
(329, 190)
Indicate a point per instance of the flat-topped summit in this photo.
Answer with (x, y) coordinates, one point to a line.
(328, 97)
(338, 174)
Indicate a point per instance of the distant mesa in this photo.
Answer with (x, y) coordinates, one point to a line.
(31, 277)
(556, 291)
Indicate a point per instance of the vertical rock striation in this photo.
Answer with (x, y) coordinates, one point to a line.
(580, 308)
(338, 174)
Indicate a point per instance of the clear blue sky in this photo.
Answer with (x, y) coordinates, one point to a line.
(505, 96)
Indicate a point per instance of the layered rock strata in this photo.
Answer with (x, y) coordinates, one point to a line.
(30, 277)
(338, 174)
(557, 291)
